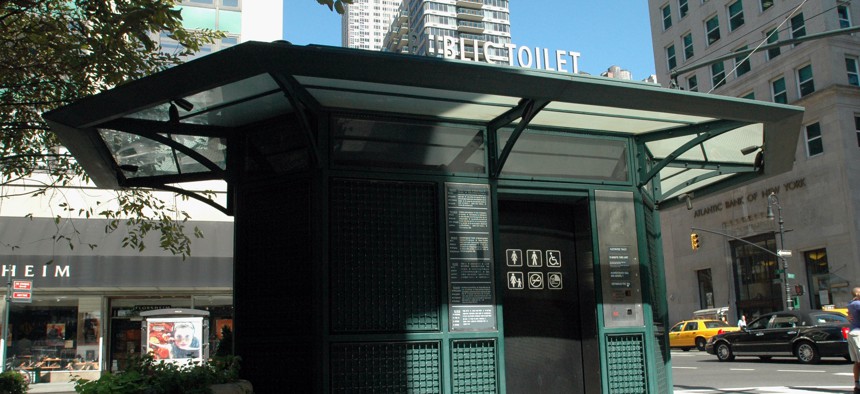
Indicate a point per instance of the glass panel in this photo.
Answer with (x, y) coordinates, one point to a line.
(370, 143)
(219, 96)
(565, 156)
(140, 156)
(667, 17)
(670, 57)
(805, 82)
(197, 18)
(772, 37)
(230, 21)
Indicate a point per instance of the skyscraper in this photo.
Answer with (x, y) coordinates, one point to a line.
(702, 44)
(430, 27)
(365, 23)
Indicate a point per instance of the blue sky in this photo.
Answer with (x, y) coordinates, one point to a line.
(605, 33)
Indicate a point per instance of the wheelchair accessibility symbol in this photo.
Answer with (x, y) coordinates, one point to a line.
(553, 258)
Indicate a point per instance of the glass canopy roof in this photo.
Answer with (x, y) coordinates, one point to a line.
(174, 126)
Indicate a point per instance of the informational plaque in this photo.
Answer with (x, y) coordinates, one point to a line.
(470, 258)
(619, 259)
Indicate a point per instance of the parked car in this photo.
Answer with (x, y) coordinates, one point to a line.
(805, 334)
(690, 334)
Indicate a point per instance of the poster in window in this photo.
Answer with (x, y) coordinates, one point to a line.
(91, 331)
(175, 339)
(220, 324)
(55, 334)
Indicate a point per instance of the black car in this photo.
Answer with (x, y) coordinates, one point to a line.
(805, 334)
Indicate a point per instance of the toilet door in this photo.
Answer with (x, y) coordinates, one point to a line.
(542, 310)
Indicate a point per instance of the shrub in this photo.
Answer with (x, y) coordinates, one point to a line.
(12, 382)
(145, 375)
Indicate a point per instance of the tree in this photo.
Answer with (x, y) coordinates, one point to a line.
(335, 4)
(57, 51)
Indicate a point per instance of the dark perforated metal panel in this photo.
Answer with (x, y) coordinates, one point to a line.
(386, 368)
(384, 256)
(625, 356)
(474, 367)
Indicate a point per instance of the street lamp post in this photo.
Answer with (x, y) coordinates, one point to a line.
(772, 200)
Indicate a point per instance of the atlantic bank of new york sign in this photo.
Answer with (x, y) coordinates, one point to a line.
(539, 58)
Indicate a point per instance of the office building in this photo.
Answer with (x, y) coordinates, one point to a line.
(366, 22)
(814, 207)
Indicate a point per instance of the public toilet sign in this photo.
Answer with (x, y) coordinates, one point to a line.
(22, 291)
(526, 57)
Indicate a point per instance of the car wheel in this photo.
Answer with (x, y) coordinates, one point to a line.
(700, 344)
(724, 352)
(807, 353)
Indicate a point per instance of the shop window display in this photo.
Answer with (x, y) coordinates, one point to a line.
(50, 335)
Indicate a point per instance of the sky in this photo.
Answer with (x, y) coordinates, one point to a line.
(605, 33)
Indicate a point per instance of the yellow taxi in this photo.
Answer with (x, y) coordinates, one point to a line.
(690, 334)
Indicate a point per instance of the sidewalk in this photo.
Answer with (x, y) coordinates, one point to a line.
(59, 388)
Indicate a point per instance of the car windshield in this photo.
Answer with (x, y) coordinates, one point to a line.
(827, 318)
(715, 324)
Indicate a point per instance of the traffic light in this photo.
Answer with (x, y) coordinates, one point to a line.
(798, 290)
(694, 241)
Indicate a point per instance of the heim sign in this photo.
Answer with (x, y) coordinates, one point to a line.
(539, 58)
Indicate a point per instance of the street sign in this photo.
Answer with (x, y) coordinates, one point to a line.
(783, 253)
(789, 276)
(22, 291)
(780, 271)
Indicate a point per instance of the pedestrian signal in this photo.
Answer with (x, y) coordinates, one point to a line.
(694, 241)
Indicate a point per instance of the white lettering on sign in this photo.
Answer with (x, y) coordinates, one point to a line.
(60, 271)
(540, 58)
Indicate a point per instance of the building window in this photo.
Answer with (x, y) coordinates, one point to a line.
(772, 37)
(670, 57)
(765, 4)
(798, 28)
(736, 15)
(853, 72)
(667, 17)
(805, 83)
(857, 128)
(814, 144)
(844, 16)
(757, 285)
(683, 8)
(706, 288)
(778, 91)
(693, 86)
(749, 96)
(742, 63)
(712, 29)
(688, 46)
(718, 74)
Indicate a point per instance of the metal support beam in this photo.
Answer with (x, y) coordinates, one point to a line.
(302, 101)
(529, 109)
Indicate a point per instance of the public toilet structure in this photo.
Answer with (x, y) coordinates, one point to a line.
(422, 225)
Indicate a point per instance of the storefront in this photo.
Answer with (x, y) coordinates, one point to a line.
(411, 224)
(83, 314)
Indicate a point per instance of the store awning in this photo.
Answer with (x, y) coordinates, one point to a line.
(181, 118)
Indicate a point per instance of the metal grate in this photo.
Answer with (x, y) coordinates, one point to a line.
(626, 363)
(474, 366)
(384, 256)
(386, 368)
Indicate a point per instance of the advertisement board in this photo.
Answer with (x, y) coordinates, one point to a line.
(175, 339)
